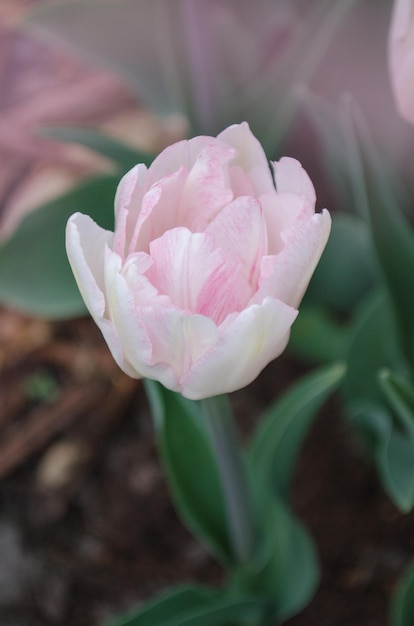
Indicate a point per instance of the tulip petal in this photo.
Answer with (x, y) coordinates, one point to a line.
(133, 334)
(127, 204)
(178, 339)
(143, 291)
(86, 243)
(180, 154)
(160, 341)
(290, 177)
(159, 210)
(197, 277)
(248, 342)
(281, 211)
(250, 156)
(207, 188)
(240, 231)
(286, 275)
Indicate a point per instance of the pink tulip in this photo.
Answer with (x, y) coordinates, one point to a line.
(200, 283)
(401, 57)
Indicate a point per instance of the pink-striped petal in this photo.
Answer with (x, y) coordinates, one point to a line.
(159, 210)
(197, 277)
(207, 187)
(286, 275)
(240, 231)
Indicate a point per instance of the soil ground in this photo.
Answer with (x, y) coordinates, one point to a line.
(87, 528)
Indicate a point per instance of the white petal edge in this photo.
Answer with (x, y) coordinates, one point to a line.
(290, 177)
(248, 342)
(250, 155)
(86, 243)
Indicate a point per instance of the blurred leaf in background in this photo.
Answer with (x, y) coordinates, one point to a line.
(363, 288)
(215, 62)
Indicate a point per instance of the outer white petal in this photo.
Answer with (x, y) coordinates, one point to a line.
(178, 339)
(290, 177)
(248, 342)
(286, 275)
(133, 334)
(250, 156)
(128, 200)
(86, 243)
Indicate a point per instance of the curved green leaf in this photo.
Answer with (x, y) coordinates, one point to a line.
(195, 606)
(392, 451)
(402, 607)
(400, 395)
(287, 571)
(170, 605)
(190, 468)
(35, 275)
(373, 347)
(275, 446)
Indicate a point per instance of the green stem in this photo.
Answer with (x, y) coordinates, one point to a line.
(232, 473)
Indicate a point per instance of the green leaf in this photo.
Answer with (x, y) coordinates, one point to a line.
(392, 451)
(289, 574)
(190, 468)
(316, 337)
(124, 156)
(244, 612)
(275, 446)
(402, 606)
(346, 270)
(396, 460)
(391, 232)
(400, 394)
(193, 606)
(379, 402)
(169, 605)
(373, 347)
(35, 275)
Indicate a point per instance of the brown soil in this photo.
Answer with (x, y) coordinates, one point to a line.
(87, 528)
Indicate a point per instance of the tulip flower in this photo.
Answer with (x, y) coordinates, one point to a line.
(401, 57)
(200, 282)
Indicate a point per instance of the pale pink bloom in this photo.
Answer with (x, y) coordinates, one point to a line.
(401, 57)
(200, 283)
